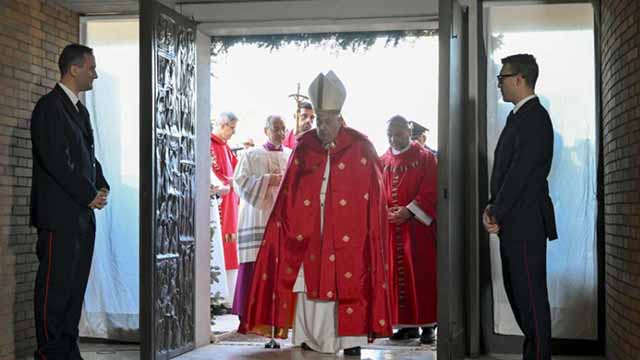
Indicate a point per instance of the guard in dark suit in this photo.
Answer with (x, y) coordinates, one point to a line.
(419, 134)
(520, 210)
(67, 185)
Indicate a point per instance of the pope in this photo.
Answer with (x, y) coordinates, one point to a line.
(322, 268)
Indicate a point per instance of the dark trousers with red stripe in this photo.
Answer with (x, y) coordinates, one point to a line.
(61, 281)
(524, 271)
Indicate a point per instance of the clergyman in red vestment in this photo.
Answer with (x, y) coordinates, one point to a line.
(322, 264)
(223, 164)
(410, 179)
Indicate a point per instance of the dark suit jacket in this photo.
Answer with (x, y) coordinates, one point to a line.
(519, 190)
(66, 174)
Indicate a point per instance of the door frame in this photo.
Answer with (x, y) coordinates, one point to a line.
(490, 341)
(475, 170)
(147, 263)
(453, 213)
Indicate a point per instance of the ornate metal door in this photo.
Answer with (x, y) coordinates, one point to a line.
(167, 176)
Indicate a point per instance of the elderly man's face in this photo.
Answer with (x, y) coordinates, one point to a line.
(227, 130)
(276, 132)
(399, 136)
(328, 125)
(307, 116)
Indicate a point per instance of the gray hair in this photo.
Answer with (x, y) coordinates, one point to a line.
(225, 118)
(268, 124)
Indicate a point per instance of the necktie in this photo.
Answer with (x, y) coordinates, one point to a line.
(510, 117)
(86, 122)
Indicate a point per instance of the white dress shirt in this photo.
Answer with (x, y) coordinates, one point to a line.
(522, 102)
(74, 99)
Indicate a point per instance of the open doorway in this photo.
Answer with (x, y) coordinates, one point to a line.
(382, 80)
(109, 326)
(561, 37)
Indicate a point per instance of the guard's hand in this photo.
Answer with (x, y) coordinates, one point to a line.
(100, 201)
(399, 215)
(490, 223)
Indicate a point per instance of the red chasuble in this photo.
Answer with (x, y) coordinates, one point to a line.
(223, 162)
(412, 176)
(346, 263)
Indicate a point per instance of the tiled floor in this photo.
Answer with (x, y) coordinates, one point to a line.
(518, 357)
(237, 352)
(229, 345)
(257, 351)
(101, 351)
(253, 348)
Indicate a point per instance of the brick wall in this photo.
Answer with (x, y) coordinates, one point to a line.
(32, 35)
(620, 41)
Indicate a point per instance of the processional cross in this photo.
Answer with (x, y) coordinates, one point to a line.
(299, 98)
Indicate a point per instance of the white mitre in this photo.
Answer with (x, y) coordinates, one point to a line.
(327, 93)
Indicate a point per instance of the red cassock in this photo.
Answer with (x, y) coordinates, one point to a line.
(346, 263)
(224, 162)
(290, 140)
(412, 177)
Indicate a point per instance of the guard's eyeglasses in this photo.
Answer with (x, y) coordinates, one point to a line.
(502, 76)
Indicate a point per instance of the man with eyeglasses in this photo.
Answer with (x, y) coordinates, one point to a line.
(308, 116)
(520, 210)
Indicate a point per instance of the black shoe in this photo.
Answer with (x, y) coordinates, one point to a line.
(406, 334)
(305, 347)
(354, 351)
(220, 309)
(428, 336)
(74, 354)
